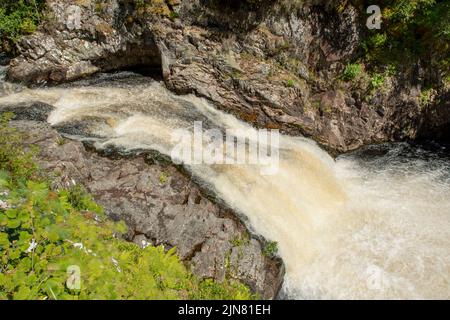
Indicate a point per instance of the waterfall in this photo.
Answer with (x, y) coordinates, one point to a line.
(364, 226)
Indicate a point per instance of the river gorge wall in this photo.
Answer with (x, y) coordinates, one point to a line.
(272, 66)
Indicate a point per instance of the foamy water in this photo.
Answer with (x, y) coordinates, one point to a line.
(351, 228)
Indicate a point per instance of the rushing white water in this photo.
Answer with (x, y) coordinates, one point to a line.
(356, 228)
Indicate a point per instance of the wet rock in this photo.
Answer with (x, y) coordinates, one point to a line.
(36, 111)
(4, 59)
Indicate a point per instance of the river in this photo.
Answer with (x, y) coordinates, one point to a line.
(372, 224)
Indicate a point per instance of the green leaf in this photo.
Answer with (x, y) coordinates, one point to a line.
(53, 236)
(23, 293)
(13, 223)
(15, 254)
(4, 241)
(24, 216)
(3, 219)
(11, 213)
(4, 178)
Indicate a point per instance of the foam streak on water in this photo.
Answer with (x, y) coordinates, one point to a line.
(350, 228)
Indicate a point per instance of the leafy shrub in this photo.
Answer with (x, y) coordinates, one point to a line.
(411, 29)
(18, 18)
(352, 71)
(426, 96)
(46, 236)
(13, 158)
(377, 80)
(270, 249)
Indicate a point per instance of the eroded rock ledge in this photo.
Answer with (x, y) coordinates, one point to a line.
(271, 66)
(161, 206)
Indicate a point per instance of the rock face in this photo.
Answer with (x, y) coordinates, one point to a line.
(161, 206)
(81, 38)
(270, 65)
(273, 66)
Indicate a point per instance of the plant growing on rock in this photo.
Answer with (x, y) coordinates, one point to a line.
(377, 80)
(290, 83)
(352, 71)
(18, 18)
(45, 233)
(270, 248)
(411, 30)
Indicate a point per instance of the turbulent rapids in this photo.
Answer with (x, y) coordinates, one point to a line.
(372, 224)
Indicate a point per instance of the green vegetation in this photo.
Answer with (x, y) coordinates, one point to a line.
(240, 241)
(61, 141)
(290, 83)
(411, 30)
(163, 178)
(426, 96)
(48, 238)
(174, 15)
(270, 249)
(18, 18)
(377, 80)
(359, 76)
(154, 7)
(352, 71)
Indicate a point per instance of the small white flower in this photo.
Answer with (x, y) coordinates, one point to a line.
(78, 245)
(33, 245)
(116, 264)
(145, 244)
(4, 205)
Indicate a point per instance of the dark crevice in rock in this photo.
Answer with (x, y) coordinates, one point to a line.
(196, 249)
(4, 59)
(435, 123)
(142, 57)
(231, 15)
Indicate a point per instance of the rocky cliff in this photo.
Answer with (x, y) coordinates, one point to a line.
(271, 65)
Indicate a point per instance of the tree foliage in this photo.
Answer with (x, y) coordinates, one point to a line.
(411, 30)
(18, 18)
